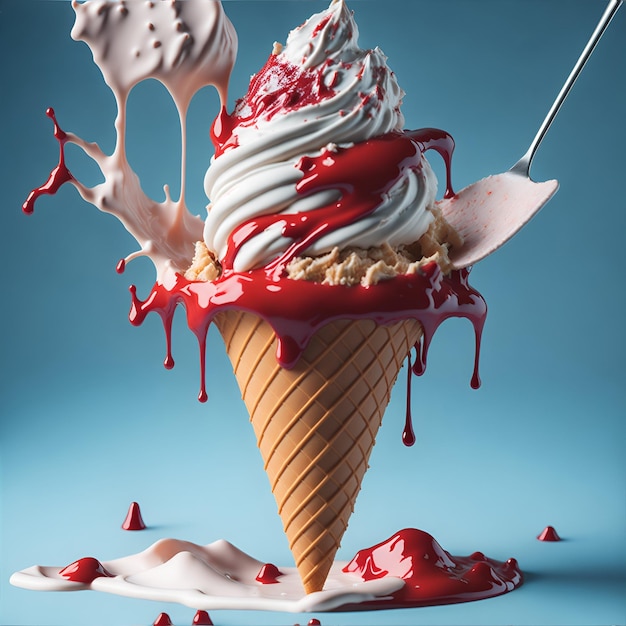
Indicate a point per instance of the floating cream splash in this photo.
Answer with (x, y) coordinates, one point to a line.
(186, 45)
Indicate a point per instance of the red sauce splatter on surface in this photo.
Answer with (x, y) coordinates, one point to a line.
(163, 620)
(432, 576)
(133, 520)
(85, 571)
(548, 534)
(314, 622)
(268, 575)
(201, 618)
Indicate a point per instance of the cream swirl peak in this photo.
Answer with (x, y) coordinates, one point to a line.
(319, 95)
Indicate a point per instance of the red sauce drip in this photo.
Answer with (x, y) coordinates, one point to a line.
(85, 571)
(268, 575)
(201, 618)
(408, 435)
(314, 622)
(549, 534)
(120, 268)
(432, 576)
(297, 309)
(57, 177)
(133, 520)
(163, 620)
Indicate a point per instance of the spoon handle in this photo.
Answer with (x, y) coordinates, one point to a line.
(523, 165)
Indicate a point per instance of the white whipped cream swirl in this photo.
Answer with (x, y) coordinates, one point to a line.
(257, 172)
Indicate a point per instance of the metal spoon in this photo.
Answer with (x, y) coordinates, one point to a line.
(489, 212)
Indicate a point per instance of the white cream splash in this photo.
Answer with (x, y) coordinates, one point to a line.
(184, 44)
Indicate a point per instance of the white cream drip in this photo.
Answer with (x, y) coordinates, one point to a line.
(184, 44)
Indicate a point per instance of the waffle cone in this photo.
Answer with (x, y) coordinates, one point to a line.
(316, 424)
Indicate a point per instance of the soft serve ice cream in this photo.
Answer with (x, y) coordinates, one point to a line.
(289, 149)
(323, 257)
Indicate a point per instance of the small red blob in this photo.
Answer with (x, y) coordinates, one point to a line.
(84, 571)
(201, 618)
(133, 519)
(163, 620)
(548, 534)
(121, 266)
(314, 622)
(268, 574)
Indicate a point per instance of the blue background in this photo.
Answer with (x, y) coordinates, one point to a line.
(90, 420)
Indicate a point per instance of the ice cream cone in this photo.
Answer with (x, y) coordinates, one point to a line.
(316, 423)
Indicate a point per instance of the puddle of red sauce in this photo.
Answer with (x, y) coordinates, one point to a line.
(432, 576)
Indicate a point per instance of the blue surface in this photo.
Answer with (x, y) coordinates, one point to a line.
(90, 420)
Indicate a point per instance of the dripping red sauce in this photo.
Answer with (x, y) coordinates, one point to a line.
(408, 435)
(297, 309)
(431, 575)
(58, 176)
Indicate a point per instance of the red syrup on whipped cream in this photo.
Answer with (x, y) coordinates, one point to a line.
(84, 571)
(297, 309)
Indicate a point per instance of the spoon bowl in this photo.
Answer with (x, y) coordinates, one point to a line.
(489, 212)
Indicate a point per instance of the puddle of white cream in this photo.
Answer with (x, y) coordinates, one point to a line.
(211, 577)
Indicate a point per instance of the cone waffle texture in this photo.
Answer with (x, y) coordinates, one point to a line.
(316, 423)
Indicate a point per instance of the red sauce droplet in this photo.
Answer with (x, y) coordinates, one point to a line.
(133, 520)
(408, 435)
(268, 574)
(314, 622)
(58, 176)
(201, 618)
(121, 266)
(432, 575)
(548, 534)
(85, 571)
(163, 620)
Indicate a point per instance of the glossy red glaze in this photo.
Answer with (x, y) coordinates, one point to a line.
(314, 622)
(269, 574)
(133, 520)
(548, 534)
(432, 576)
(201, 618)
(57, 177)
(85, 571)
(162, 620)
(296, 309)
